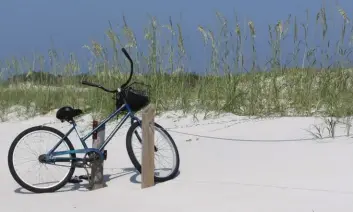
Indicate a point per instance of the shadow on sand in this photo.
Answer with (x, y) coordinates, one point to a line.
(82, 187)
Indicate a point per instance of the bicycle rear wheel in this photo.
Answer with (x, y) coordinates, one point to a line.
(33, 159)
(135, 131)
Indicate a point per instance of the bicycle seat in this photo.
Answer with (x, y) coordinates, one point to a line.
(67, 113)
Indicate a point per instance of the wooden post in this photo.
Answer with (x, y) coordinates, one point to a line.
(97, 179)
(147, 166)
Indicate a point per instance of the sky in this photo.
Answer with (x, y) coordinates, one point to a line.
(28, 27)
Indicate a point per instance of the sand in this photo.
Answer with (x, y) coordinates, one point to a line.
(228, 163)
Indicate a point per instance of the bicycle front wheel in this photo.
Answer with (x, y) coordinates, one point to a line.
(162, 172)
(32, 177)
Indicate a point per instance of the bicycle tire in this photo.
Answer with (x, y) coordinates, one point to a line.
(16, 176)
(134, 160)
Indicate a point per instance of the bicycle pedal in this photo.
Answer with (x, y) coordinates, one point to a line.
(84, 177)
(75, 180)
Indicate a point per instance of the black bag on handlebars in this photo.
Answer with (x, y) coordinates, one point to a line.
(135, 98)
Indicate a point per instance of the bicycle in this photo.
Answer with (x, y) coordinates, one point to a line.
(128, 100)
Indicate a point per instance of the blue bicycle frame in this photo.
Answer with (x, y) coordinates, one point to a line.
(99, 151)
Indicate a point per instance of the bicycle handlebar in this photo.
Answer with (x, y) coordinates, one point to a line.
(98, 86)
(127, 82)
(131, 66)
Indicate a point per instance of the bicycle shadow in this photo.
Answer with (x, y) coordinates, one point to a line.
(82, 186)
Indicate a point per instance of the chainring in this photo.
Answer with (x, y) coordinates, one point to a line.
(92, 157)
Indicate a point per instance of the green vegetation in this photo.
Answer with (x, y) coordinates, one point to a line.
(299, 90)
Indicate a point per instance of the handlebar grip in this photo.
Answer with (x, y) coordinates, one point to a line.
(84, 82)
(131, 68)
(126, 54)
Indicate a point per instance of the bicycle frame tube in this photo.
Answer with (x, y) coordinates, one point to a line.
(83, 139)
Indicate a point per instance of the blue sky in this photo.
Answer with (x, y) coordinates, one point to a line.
(33, 26)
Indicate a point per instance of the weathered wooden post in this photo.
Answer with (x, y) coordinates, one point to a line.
(147, 166)
(96, 180)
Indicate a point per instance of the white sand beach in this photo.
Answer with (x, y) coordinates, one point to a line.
(228, 163)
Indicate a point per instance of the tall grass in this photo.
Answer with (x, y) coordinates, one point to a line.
(288, 85)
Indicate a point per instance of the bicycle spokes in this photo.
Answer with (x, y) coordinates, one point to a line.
(29, 160)
(164, 159)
